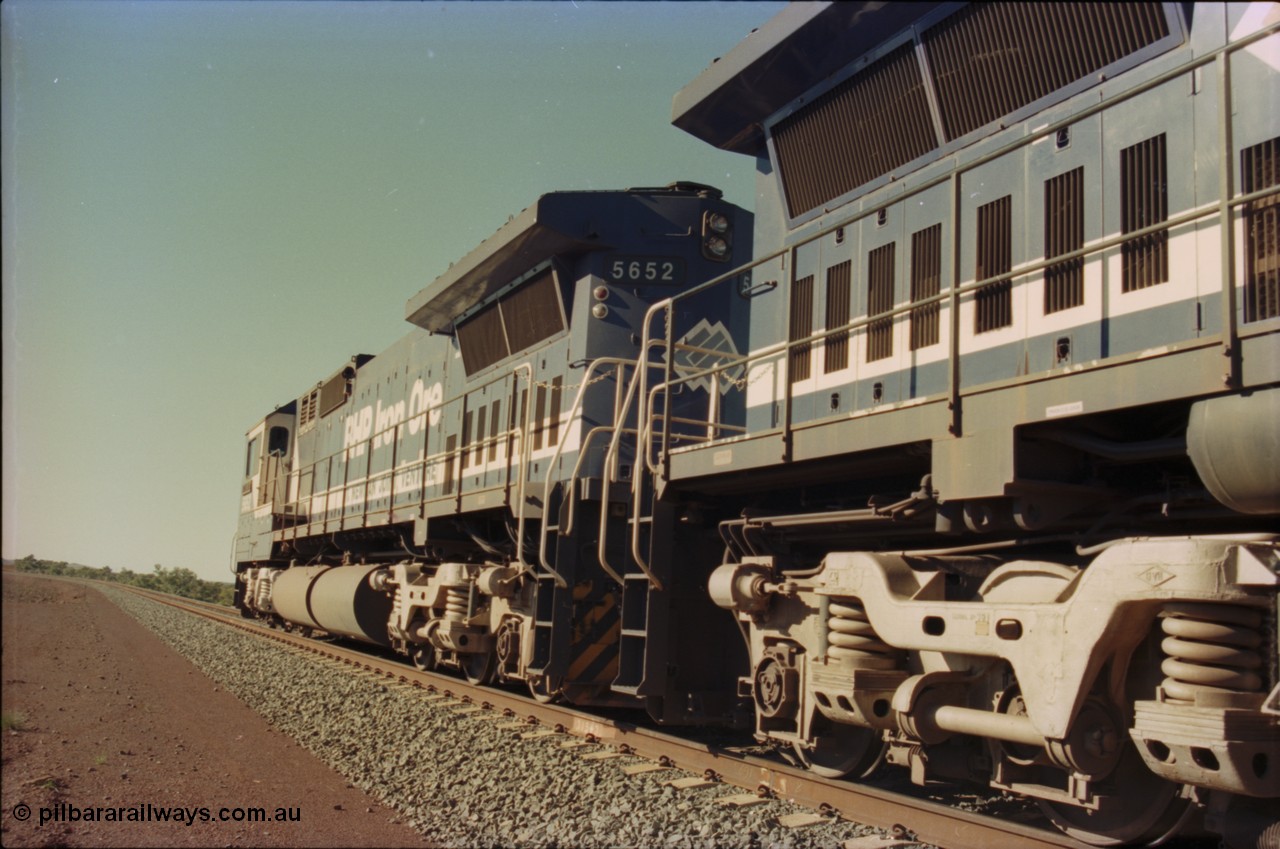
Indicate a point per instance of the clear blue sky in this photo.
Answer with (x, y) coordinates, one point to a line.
(209, 206)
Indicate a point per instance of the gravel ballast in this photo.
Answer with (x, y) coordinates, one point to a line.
(461, 780)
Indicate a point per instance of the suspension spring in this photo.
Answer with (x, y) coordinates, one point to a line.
(262, 599)
(852, 639)
(455, 603)
(1210, 648)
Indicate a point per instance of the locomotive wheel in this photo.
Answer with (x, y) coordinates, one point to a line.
(1141, 808)
(423, 656)
(845, 750)
(479, 667)
(545, 689)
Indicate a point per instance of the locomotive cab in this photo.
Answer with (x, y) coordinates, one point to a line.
(264, 490)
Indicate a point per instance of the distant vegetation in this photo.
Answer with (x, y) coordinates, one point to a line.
(178, 581)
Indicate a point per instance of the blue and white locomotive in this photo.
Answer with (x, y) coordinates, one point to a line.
(445, 497)
(973, 430)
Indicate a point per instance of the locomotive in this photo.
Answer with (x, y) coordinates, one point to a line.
(447, 497)
(998, 505)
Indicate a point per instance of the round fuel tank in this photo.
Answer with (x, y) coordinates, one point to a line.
(289, 594)
(1234, 442)
(342, 602)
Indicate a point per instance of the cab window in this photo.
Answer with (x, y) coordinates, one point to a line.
(278, 441)
(251, 460)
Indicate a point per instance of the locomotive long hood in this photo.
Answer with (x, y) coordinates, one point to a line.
(727, 104)
(554, 225)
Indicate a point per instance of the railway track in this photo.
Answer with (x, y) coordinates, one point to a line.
(916, 819)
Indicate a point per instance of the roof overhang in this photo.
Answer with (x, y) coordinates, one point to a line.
(548, 228)
(728, 103)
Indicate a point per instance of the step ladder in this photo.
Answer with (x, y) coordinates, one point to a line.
(553, 599)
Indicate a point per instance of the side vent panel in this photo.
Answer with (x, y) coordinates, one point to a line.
(1144, 202)
(926, 282)
(994, 307)
(991, 59)
(839, 290)
(874, 122)
(1260, 169)
(1064, 233)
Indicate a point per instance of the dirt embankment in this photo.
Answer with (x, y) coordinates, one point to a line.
(111, 721)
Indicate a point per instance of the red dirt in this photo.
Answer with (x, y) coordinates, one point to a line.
(115, 719)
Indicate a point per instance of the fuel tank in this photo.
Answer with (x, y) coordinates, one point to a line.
(335, 599)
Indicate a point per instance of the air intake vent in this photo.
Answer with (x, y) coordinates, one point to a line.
(1260, 169)
(991, 59)
(874, 122)
(926, 281)
(482, 339)
(880, 299)
(801, 326)
(839, 291)
(1064, 233)
(520, 319)
(993, 302)
(1144, 202)
(308, 406)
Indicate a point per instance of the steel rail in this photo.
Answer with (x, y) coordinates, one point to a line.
(920, 819)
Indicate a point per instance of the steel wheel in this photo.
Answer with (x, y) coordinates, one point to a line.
(423, 656)
(1140, 808)
(845, 750)
(545, 689)
(479, 667)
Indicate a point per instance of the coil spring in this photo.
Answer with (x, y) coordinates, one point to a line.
(851, 638)
(455, 603)
(262, 595)
(1210, 649)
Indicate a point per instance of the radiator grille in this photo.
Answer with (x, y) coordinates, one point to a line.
(519, 320)
(874, 122)
(1064, 233)
(991, 59)
(482, 339)
(1260, 169)
(994, 308)
(1144, 201)
(531, 313)
(926, 281)
(800, 326)
(307, 408)
(839, 291)
(880, 299)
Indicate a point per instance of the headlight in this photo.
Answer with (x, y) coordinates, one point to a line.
(716, 247)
